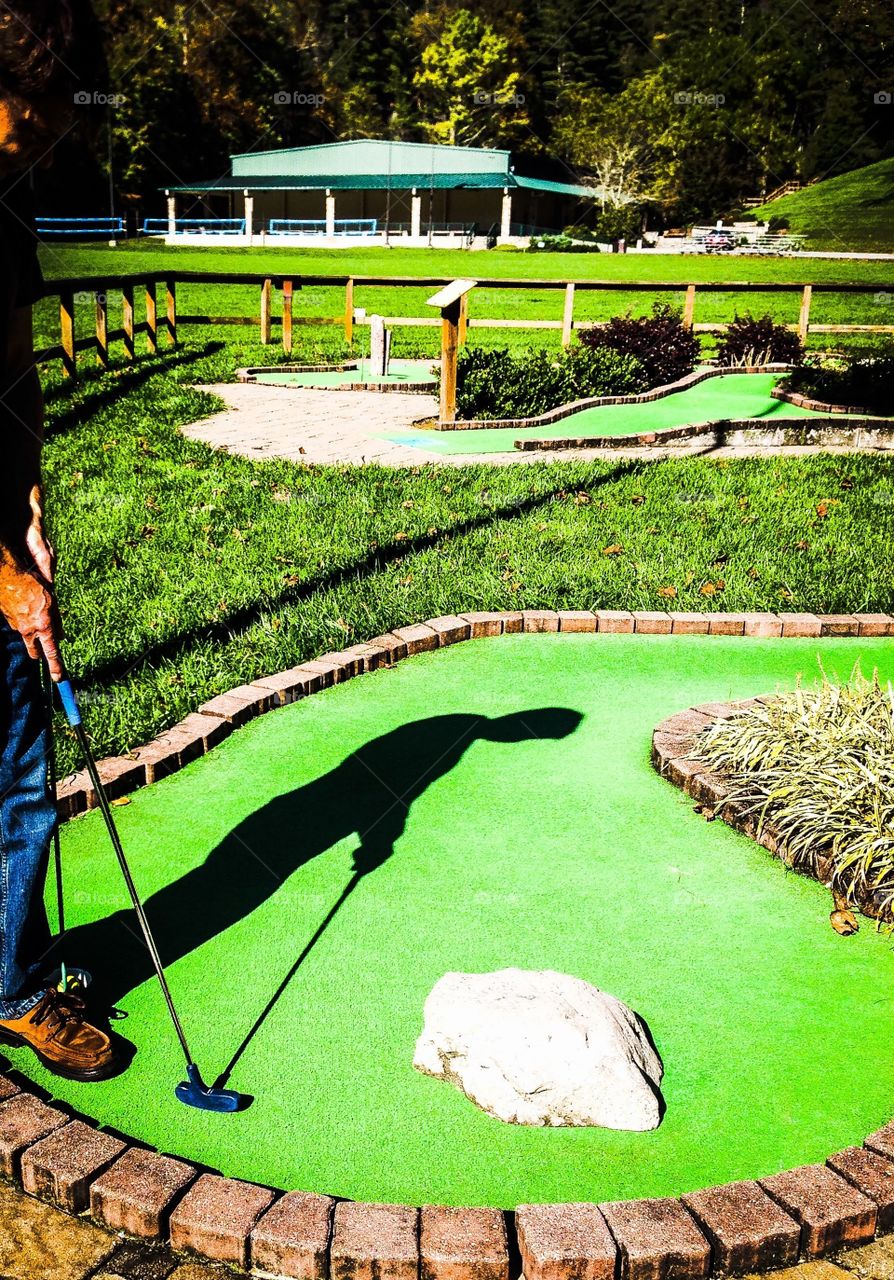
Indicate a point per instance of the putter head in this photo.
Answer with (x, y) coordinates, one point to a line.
(195, 1093)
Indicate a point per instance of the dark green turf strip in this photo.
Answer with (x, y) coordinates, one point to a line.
(567, 853)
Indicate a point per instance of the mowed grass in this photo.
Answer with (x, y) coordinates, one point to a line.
(184, 572)
(529, 302)
(852, 211)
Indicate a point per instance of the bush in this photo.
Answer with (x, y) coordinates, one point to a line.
(866, 382)
(497, 384)
(819, 764)
(560, 244)
(665, 349)
(749, 342)
(623, 223)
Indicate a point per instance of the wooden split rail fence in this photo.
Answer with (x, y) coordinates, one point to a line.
(93, 291)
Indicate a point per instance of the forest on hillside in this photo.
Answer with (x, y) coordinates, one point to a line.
(680, 107)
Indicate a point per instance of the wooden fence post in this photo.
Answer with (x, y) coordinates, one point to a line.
(127, 320)
(171, 312)
(804, 316)
(689, 307)
(151, 319)
(287, 316)
(568, 314)
(66, 326)
(266, 289)
(463, 319)
(102, 330)
(349, 311)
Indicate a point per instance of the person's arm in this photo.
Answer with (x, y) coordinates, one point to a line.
(26, 557)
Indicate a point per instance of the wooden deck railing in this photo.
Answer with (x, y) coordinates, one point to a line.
(93, 291)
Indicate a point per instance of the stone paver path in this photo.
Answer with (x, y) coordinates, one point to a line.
(38, 1242)
(308, 425)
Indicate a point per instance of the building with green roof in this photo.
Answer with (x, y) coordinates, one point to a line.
(408, 192)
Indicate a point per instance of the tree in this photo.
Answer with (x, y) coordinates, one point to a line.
(606, 137)
(468, 81)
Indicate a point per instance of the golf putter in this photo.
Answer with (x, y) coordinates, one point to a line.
(193, 1091)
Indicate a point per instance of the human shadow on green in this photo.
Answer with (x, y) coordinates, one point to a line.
(370, 794)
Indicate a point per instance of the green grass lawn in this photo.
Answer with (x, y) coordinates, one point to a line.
(529, 302)
(852, 211)
(517, 843)
(184, 572)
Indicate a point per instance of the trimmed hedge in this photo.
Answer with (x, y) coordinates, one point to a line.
(498, 384)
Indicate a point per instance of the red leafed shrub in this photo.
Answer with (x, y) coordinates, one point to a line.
(749, 342)
(665, 348)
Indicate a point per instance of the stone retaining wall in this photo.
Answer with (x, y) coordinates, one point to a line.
(858, 433)
(740, 1227)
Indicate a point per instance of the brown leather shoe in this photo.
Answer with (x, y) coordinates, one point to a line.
(64, 1041)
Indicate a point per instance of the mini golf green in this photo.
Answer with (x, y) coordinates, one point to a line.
(732, 395)
(399, 371)
(489, 841)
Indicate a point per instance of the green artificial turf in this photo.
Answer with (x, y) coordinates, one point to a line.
(734, 395)
(563, 852)
(398, 371)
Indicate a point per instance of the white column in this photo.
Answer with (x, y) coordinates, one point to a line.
(172, 214)
(506, 215)
(415, 214)
(330, 213)
(249, 214)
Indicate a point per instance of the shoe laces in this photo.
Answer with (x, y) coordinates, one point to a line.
(58, 1008)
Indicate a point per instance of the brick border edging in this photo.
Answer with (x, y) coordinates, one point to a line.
(674, 755)
(742, 1226)
(820, 406)
(787, 432)
(596, 402)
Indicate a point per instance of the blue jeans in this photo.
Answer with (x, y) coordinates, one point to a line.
(27, 818)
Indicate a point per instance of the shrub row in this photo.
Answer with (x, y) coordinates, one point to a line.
(623, 357)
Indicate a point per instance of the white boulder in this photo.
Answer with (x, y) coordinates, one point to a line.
(541, 1048)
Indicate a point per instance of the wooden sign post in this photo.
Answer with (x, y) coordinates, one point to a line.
(451, 301)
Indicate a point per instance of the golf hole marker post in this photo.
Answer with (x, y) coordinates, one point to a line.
(452, 301)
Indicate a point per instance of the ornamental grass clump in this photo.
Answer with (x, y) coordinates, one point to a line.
(818, 766)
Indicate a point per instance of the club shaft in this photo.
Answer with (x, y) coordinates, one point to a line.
(146, 931)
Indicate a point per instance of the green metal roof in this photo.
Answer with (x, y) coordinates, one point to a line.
(383, 182)
(370, 155)
(558, 188)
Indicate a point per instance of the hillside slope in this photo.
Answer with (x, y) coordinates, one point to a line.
(854, 211)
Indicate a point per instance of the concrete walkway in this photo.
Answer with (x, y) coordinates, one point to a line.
(302, 424)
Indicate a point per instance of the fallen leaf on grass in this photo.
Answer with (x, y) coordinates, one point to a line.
(614, 550)
(122, 800)
(669, 593)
